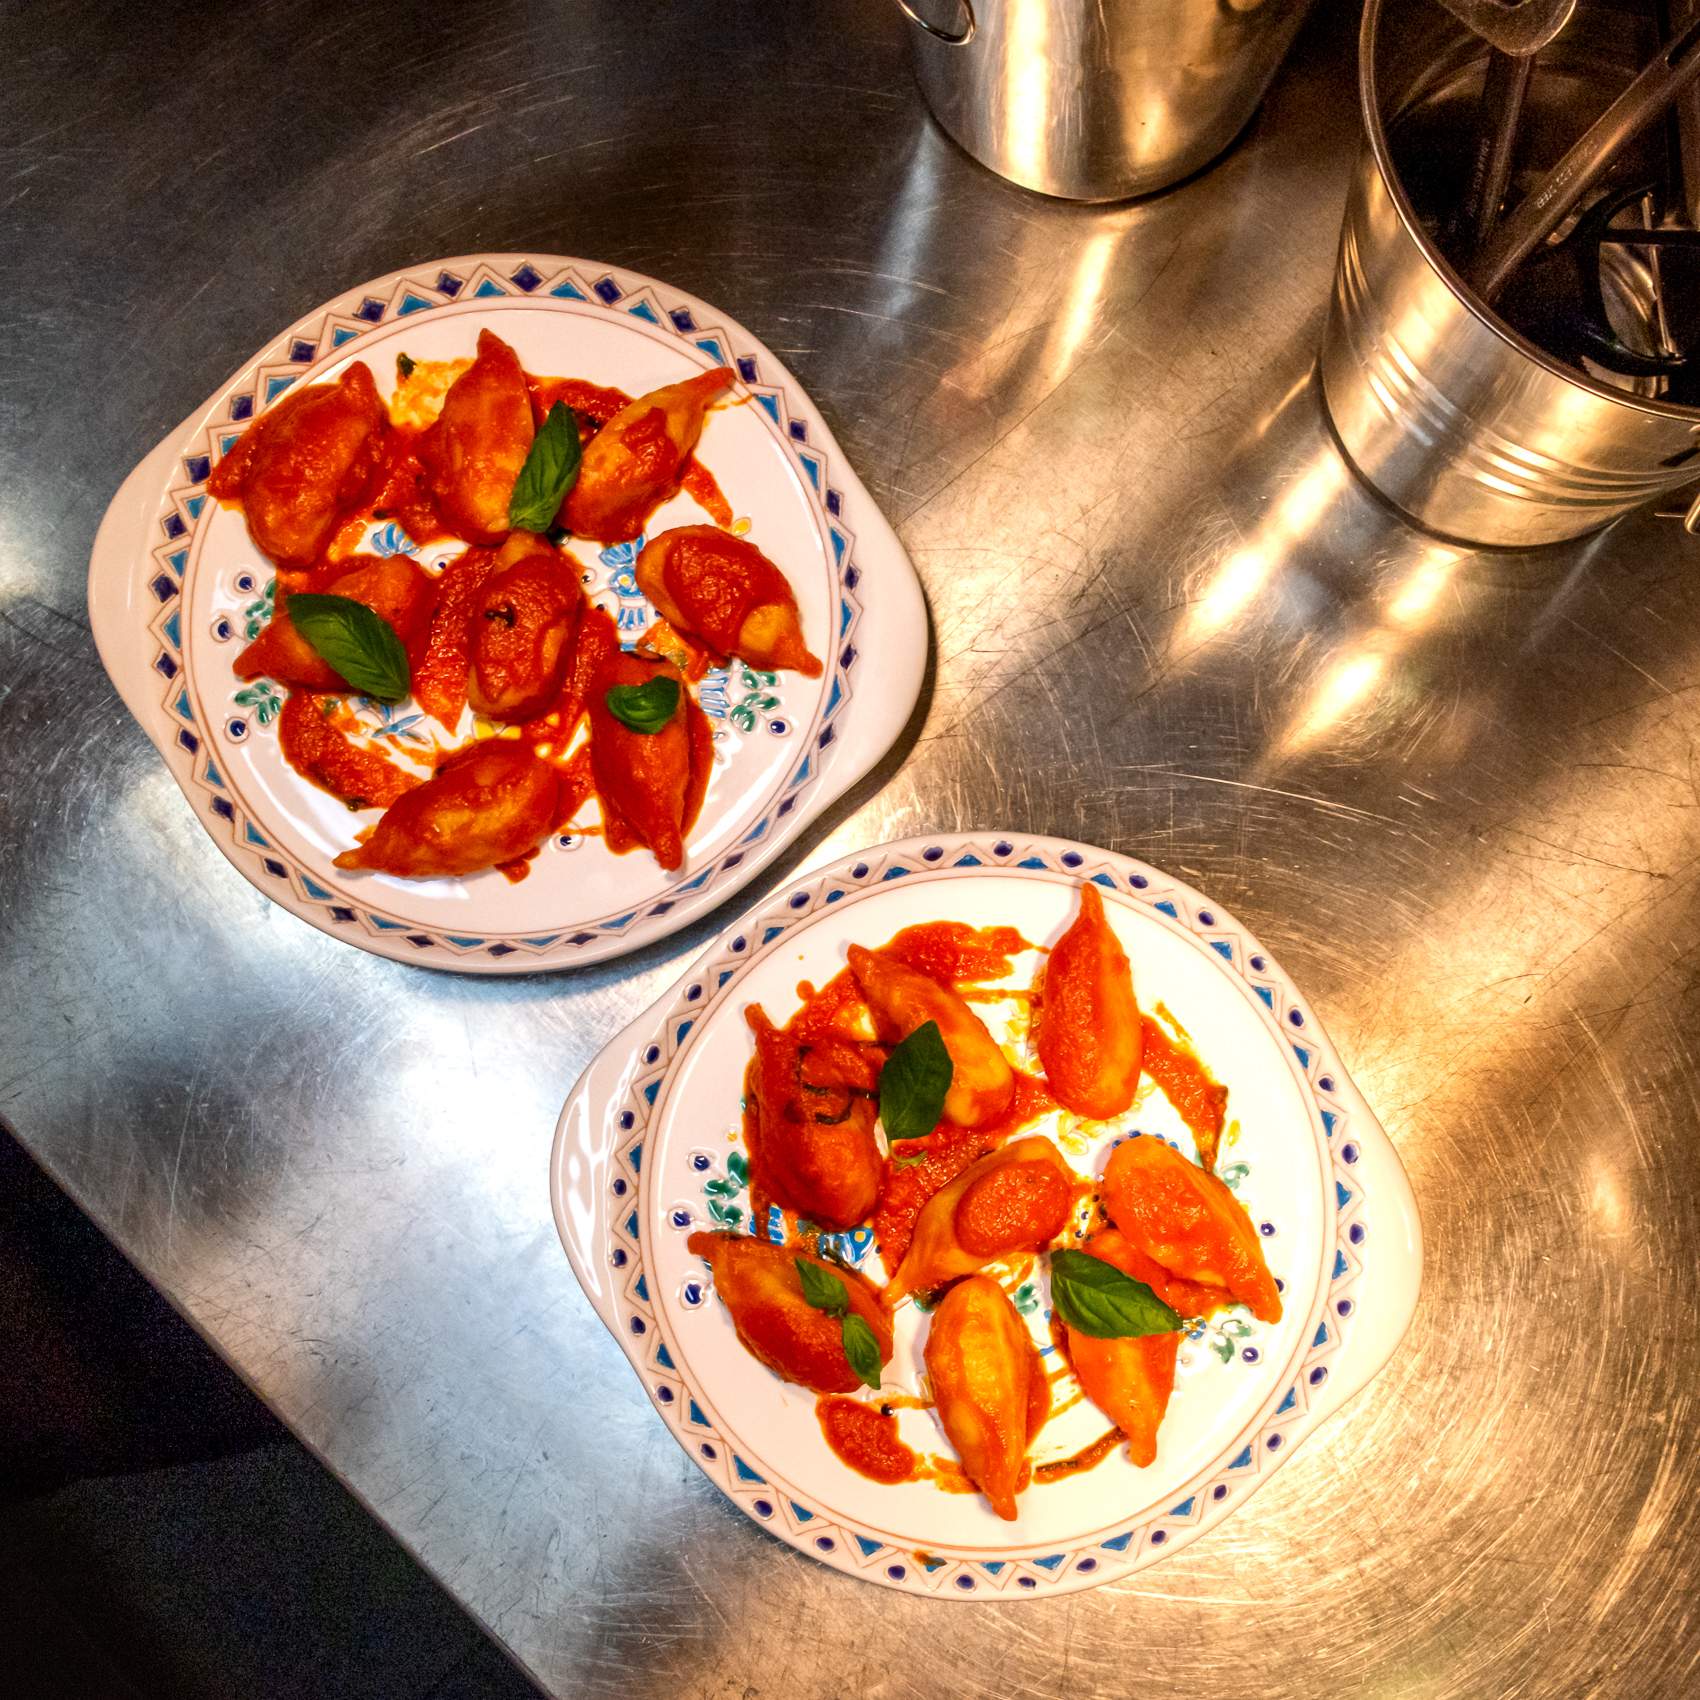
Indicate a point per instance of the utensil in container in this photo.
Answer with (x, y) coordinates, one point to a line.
(1444, 408)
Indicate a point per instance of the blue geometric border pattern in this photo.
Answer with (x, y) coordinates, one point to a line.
(1209, 1497)
(336, 329)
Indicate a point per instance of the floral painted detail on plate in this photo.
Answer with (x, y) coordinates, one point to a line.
(261, 699)
(723, 1191)
(257, 614)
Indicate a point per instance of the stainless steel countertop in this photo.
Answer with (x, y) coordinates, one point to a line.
(1458, 793)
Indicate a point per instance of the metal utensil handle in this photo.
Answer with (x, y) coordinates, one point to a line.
(1498, 121)
(1671, 70)
(1517, 27)
(961, 39)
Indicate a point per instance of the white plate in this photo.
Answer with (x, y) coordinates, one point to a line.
(641, 1160)
(176, 587)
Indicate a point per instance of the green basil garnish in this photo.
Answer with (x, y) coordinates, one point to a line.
(550, 470)
(862, 1349)
(825, 1292)
(404, 364)
(1096, 1298)
(645, 708)
(354, 639)
(913, 1084)
(821, 1288)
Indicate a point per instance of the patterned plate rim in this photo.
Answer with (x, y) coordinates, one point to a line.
(656, 1044)
(834, 753)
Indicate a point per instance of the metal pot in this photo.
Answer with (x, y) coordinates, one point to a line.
(1467, 426)
(1097, 100)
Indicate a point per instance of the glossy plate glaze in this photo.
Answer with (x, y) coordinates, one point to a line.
(648, 1150)
(176, 588)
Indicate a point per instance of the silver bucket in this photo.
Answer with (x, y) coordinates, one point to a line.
(1097, 100)
(1445, 410)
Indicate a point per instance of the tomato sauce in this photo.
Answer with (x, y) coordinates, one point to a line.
(1085, 1459)
(595, 403)
(671, 644)
(917, 1168)
(595, 640)
(952, 951)
(323, 754)
(404, 493)
(865, 1437)
(576, 785)
(836, 1010)
(699, 484)
(1015, 1204)
(717, 579)
(1199, 1100)
(442, 654)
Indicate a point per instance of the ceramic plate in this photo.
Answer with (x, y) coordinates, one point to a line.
(176, 588)
(648, 1150)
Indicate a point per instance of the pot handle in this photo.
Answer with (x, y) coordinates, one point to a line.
(960, 39)
(1691, 519)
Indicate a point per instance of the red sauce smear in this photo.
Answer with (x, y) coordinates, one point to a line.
(442, 657)
(666, 640)
(952, 951)
(576, 785)
(836, 1010)
(552, 734)
(699, 484)
(948, 1476)
(1085, 1459)
(323, 755)
(597, 403)
(865, 1437)
(595, 640)
(1199, 1100)
(919, 1167)
(404, 493)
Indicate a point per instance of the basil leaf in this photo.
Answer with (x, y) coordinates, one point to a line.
(1097, 1299)
(404, 364)
(550, 471)
(645, 708)
(913, 1083)
(862, 1349)
(822, 1288)
(356, 640)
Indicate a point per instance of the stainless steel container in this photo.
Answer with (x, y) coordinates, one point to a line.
(1097, 100)
(1445, 410)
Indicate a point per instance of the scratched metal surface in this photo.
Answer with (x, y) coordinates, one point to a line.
(1457, 793)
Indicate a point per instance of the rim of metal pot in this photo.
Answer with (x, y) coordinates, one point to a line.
(1477, 308)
